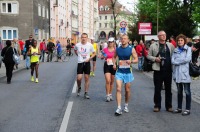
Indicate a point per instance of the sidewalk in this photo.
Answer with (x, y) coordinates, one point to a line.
(195, 84)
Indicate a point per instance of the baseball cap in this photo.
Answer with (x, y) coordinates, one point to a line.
(111, 40)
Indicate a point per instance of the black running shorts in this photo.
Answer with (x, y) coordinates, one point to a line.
(83, 68)
(33, 64)
(94, 58)
(108, 69)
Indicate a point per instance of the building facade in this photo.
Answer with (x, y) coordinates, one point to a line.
(106, 19)
(21, 18)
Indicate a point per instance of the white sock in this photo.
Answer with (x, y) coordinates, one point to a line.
(126, 105)
(119, 107)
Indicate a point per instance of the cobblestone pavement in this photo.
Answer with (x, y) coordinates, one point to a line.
(195, 85)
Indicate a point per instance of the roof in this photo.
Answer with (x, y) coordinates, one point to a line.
(107, 3)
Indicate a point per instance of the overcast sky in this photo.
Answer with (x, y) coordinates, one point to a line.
(130, 5)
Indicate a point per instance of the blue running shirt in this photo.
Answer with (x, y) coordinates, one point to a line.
(123, 55)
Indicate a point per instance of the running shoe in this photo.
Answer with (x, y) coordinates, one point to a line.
(118, 112)
(36, 80)
(93, 74)
(86, 96)
(78, 91)
(108, 98)
(111, 98)
(126, 109)
(32, 79)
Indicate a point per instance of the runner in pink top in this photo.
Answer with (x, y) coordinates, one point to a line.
(109, 72)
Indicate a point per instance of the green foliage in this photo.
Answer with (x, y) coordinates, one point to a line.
(196, 11)
(173, 16)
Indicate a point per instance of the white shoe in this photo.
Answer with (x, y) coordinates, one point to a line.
(118, 112)
(108, 98)
(111, 99)
(126, 109)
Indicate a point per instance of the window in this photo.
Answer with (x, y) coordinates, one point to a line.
(111, 17)
(100, 17)
(105, 17)
(9, 33)
(101, 8)
(105, 25)
(9, 7)
(43, 11)
(39, 10)
(100, 25)
(111, 25)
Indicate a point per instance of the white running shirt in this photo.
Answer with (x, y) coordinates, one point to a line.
(83, 51)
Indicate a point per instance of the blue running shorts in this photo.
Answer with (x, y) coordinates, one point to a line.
(124, 77)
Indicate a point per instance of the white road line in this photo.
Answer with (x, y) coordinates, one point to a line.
(63, 127)
(74, 87)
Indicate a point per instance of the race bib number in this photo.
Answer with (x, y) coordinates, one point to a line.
(109, 61)
(84, 57)
(123, 64)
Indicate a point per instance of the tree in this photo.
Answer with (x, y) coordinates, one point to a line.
(196, 11)
(115, 14)
(174, 16)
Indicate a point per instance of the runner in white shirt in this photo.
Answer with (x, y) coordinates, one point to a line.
(83, 50)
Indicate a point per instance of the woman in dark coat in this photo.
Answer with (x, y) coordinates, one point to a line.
(7, 54)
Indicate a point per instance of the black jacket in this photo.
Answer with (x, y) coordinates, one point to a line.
(8, 52)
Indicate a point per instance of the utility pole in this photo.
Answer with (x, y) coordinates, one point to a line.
(157, 14)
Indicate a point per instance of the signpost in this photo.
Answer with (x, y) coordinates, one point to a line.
(144, 28)
(123, 25)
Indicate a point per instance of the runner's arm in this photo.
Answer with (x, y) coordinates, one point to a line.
(135, 57)
(39, 52)
(29, 51)
(114, 60)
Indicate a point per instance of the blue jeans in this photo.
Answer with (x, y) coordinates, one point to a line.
(42, 56)
(140, 63)
(27, 61)
(186, 87)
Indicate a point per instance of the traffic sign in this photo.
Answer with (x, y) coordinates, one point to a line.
(123, 24)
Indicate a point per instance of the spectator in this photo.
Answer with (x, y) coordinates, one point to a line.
(180, 59)
(7, 54)
(50, 48)
(21, 45)
(141, 53)
(195, 49)
(173, 41)
(160, 53)
(42, 50)
(28, 44)
(17, 47)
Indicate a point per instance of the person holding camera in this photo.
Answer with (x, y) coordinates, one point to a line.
(160, 53)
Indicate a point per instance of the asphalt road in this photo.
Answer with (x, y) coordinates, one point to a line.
(30, 107)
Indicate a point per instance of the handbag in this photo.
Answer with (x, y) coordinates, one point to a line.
(194, 70)
(16, 57)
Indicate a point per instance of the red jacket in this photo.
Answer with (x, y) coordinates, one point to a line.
(140, 49)
(174, 43)
(43, 46)
(21, 44)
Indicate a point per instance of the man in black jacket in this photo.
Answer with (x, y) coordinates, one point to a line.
(28, 44)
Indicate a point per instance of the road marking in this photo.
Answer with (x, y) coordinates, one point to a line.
(74, 87)
(63, 127)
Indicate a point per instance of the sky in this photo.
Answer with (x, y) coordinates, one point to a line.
(128, 3)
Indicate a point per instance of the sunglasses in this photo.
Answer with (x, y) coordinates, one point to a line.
(110, 41)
